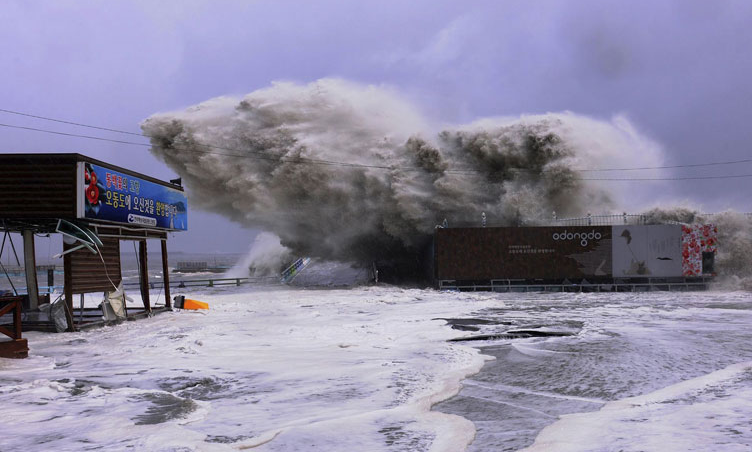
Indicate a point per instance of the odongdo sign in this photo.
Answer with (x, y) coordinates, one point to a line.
(109, 195)
(546, 253)
(583, 237)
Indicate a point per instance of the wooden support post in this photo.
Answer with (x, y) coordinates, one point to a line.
(17, 320)
(30, 266)
(68, 291)
(166, 275)
(144, 277)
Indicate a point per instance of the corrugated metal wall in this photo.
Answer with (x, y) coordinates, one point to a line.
(38, 188)
(88, 273)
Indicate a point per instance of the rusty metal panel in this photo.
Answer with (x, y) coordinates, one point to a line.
(87, 271)
(548, 253)
(37, 186)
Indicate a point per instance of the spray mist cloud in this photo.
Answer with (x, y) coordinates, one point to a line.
(348, 172)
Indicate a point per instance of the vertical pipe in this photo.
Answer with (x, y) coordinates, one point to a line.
(50, 279)
(10, 281)
(2, 247)
(68, 290)
(13, 247)
(144, 274)
(81, 312)
(30, 268)
(166, 275)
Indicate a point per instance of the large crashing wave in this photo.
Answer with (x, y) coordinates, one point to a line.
(348, 172)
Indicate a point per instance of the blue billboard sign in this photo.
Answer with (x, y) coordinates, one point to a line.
(109, 195)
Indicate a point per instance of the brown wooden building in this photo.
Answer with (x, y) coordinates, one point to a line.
(94, 206)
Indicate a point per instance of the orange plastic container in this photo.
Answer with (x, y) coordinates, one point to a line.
(195, 304)
(186, 303)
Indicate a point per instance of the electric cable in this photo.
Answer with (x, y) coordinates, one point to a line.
(108, 129)
(356, 165)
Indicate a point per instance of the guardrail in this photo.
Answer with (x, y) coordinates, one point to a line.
(294, 270)
(601, 220)
(631, 219)
(613, 286)
(206, 282)
(180, 284)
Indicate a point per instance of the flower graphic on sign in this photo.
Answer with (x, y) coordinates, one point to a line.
(93, 190)
(92, 194)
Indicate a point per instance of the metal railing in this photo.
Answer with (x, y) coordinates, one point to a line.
(629, 219)
(601, 220)
(179, 284)
(294, 269)
(206, 282)
(647, 285)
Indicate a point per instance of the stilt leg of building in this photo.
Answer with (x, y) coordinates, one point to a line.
(68, 291)
(144, 277)
(30, 266)
(166, 275)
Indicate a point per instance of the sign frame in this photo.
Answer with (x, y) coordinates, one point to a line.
(114, 196)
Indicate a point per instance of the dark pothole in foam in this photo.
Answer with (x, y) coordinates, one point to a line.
(163, 408)
(398, 438)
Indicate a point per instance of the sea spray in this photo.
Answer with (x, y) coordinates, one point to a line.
(347, 172)
(266, 257)
(733, 262)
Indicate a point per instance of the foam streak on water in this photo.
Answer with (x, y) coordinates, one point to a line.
(642, 372)
(280, 369)
(273, 369)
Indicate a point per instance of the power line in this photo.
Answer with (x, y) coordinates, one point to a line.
(149, 136)
(353, 165)
(689, 165)
(133, 143)
(79, 124)
(671, 178)
(90, 137)
(319, 161)
(356, 165)
(62, 121)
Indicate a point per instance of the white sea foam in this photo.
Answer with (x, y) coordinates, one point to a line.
(271, 369)
(279, 369)
(710, 412)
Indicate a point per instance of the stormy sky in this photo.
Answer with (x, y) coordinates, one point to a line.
(679, 71)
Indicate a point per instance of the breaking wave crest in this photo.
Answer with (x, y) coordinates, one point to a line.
(348, 172)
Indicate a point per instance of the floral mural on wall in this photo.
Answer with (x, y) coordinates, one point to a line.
(696, 239)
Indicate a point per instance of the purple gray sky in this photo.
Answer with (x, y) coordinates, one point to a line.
(679, 70)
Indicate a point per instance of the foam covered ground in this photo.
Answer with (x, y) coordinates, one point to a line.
(271, 369)
(284, 369)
